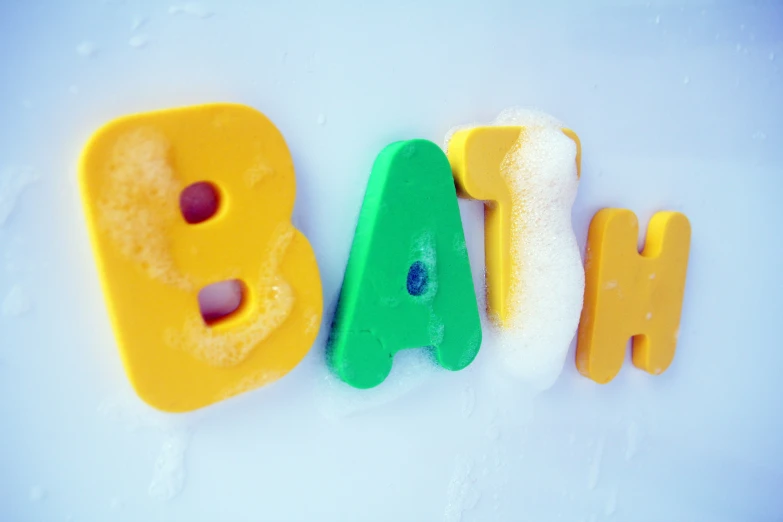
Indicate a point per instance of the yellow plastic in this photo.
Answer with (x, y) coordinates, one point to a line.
(476, 155)
(632, 295)
(152, 263)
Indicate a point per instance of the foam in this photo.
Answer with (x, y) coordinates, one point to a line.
(140, 200)
(546, 299)
(463, 494)
(336, 399)
(17, 302)
(273, 301)
(139, 203)
(423, 250)
(13, 181)
(168, 478)
(257, 172)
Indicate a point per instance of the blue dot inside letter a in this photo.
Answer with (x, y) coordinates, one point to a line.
(417, 279)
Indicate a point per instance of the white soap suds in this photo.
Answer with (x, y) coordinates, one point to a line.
(168, 475)
(168, 478)
(273, 304)
(546, 298)
(140, 201)
(86, 49)
(257, 172)
(17, 302)
(13, 181)
(336, 399)
(139, 40)
(462, 494)
(193, 9)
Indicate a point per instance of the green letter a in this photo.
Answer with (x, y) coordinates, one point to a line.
(407, 283)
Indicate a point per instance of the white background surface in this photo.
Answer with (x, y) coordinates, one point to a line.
(677, 108)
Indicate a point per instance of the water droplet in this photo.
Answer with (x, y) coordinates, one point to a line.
(73, 89)
(611, 503)
(686, 80)
(193, 9)
(493, 432)
(138, 41)
(37, 494)
(321, 119)
(631, 440)
(468, 402)
(759, 136)
(462, 492)
(657, 19)
(771, 57)
(138, 22)
(595, 465)
(86, 49)
(17, 302)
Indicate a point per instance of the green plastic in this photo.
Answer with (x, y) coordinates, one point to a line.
(407, 282)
